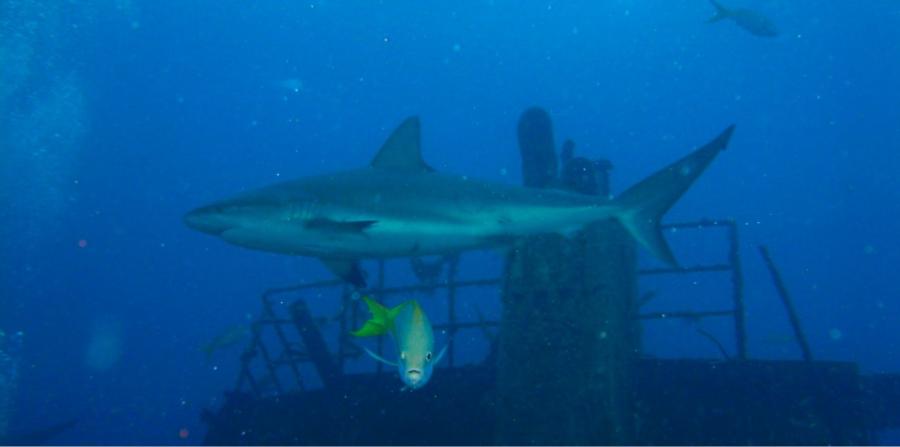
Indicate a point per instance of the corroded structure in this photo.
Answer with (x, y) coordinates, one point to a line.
(568, 340)
(568, 308)
(566, 368)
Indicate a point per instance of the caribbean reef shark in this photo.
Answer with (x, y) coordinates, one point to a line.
(398, 206)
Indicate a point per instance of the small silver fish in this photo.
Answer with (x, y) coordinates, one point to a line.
(753, 22)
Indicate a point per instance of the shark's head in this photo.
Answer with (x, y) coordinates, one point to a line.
(248, 220)
(239, 212)
(213, 219)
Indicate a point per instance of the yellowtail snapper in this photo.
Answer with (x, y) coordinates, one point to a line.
(414, 338)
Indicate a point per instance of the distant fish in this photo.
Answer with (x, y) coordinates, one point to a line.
(409, 327)
(751, 21)
(231, 336)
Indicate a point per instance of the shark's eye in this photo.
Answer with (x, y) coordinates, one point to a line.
(428, 356)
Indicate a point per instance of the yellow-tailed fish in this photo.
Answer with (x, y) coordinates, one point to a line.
(409, 327)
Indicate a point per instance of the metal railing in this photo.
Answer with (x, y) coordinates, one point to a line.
(309, 346)
(731, 266)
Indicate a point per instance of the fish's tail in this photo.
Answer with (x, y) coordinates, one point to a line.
(381, 322)
(641, 207)
(722, 13)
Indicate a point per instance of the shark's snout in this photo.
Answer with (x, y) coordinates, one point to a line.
(206, 219)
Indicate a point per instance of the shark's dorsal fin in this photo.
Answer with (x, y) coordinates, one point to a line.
(402, 151)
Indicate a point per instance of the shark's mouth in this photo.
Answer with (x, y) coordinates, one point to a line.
(414, 374)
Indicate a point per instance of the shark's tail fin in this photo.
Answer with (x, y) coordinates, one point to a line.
(382, 319)
(721, 12)
(642, 206)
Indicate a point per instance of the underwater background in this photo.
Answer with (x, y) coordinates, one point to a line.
(118, 116)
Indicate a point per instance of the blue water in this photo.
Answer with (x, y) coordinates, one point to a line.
(119, 116)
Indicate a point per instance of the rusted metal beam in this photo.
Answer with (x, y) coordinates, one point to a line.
(316, 349)
(684, 315)
(787, 302)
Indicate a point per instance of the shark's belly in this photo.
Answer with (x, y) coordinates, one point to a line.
(402, 239)
(386, 239)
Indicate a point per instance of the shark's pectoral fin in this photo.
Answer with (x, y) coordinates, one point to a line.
(339, 226)
(378, 357)
(402, 150)
(347, 270)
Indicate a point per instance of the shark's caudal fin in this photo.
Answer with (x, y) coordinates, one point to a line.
(382, 320)
(642, 206)
(722, 13)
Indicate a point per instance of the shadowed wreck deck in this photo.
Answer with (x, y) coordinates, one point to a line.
(676, 402)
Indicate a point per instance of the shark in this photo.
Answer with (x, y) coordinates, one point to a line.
(399, 206)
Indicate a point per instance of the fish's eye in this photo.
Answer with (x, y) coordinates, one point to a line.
(428, 356)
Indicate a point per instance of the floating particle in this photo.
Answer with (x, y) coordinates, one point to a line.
(82, 243)
(184, 433)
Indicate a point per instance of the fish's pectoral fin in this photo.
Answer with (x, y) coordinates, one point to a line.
(378, 357)
(348, 270)
(440, 355)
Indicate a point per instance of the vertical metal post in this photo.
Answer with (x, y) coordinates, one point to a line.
(286, 345)
(737, 282)
(342, 348)
(451, 311)
(264, 352)
(329, 371)
(788, 303)
(379, 367)
(604, 188)
(344, 337)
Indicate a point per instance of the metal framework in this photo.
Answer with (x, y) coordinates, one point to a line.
(307, 346)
